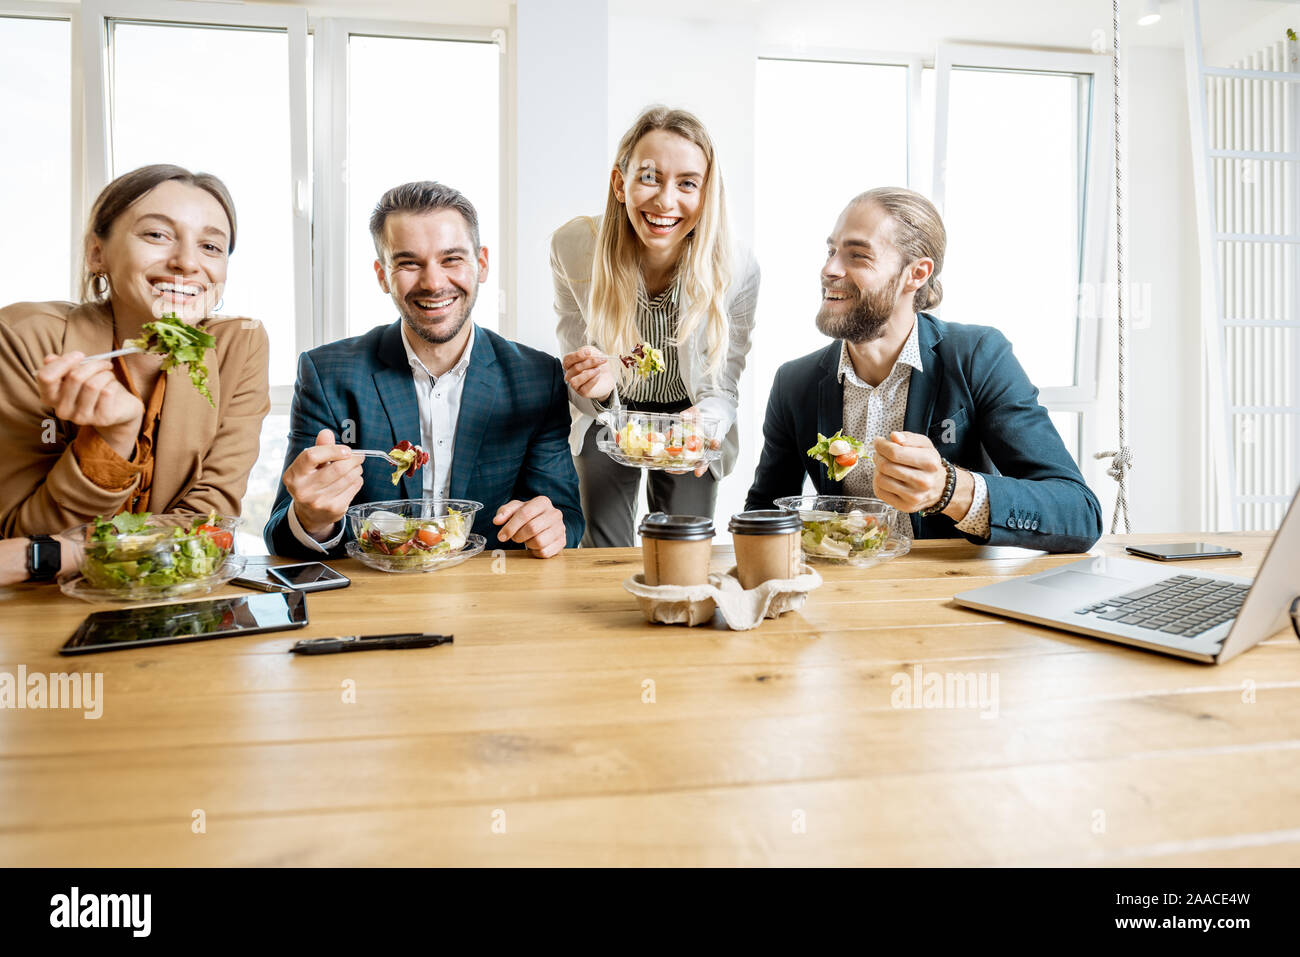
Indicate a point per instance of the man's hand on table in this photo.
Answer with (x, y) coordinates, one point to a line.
(536, 524)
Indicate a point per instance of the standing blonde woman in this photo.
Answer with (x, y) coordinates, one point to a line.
(658, 268)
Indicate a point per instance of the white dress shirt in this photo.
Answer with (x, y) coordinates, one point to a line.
(871, 412)
(438, 399)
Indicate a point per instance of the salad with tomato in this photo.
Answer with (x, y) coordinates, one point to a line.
(840, 454)
(682, 445)
(847, 537)
(415, 541)
(129, 552)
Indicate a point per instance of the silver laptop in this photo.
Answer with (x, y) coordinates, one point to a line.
(1197, 614)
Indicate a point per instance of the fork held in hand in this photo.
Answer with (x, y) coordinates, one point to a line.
(127, 351)
(375, 453)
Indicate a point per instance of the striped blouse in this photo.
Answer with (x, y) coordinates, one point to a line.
(656, 323)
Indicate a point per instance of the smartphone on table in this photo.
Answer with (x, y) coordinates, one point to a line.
(307, 576)
(1182, 551)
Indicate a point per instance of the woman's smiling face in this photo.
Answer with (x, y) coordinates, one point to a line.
(166, 253)
(663, 191)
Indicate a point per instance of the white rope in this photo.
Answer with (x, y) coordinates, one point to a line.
(1121, 459)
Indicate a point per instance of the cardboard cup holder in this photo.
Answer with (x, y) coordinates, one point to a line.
(741, 609)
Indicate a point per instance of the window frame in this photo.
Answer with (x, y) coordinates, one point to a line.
(71, 13)
(914, 62)
(1094, 173)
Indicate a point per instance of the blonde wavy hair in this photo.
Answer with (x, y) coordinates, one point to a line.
(704, 262)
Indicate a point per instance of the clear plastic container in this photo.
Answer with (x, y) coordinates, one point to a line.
(846, 530)
(173, 555)
(414, 534)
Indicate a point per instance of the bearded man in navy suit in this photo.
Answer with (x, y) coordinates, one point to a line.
(492, 414)
(958, 441)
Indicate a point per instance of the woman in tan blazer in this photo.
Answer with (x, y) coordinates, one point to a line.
(80, 440)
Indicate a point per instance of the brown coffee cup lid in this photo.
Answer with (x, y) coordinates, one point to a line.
(766, 521)
(676, 528)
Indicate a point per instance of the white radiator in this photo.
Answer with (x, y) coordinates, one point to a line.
(1253, 133)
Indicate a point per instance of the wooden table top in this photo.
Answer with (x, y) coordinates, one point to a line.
(562, 729)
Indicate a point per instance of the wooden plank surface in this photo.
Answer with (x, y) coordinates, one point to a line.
(531, 739)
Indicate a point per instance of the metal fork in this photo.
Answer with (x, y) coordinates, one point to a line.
(375, 453)
(128, 351)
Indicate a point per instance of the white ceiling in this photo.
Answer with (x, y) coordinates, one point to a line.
(919, 25)
(892, 25)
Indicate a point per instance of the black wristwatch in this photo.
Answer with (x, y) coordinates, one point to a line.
(44, 558)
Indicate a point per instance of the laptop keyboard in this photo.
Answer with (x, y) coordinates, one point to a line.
(1182, 605)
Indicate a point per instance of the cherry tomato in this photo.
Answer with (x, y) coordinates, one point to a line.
(847, 459)
(429, 536)
(220, 537)
(694, 443)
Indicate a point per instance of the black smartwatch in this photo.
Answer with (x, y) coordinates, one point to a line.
(44, 558)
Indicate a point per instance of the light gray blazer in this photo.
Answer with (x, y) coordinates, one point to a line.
(573, 250)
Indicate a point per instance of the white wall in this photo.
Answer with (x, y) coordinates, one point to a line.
(561, 70)
(702, 66)
(1163, 380)
(1250, 34)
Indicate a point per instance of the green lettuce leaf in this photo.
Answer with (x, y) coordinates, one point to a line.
(182, 344)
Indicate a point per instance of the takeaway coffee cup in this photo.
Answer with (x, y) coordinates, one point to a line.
(676, 548)
(767, 545)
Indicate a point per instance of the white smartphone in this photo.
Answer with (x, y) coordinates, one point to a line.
(308, 576)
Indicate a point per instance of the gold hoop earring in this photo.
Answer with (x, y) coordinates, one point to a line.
(99, 286)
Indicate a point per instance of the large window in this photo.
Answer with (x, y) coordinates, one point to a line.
(1009, 145)
(36, 243)
(456, 142)
(824, 131)
(1011, 263)
(1019, 144)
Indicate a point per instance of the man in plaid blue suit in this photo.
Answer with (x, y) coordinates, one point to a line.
(492, 414)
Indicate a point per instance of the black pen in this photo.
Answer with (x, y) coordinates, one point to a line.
(326, 646)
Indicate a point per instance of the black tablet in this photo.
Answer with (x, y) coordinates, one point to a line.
(188, 621)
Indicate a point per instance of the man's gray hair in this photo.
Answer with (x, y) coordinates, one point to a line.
(424, 196)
